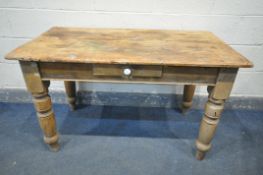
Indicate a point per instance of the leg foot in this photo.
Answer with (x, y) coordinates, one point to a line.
(199, 155)
(72, 105)
(184, 110)
(54, 147)
(52, 142)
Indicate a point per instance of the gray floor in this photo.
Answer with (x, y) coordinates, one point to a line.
(128, 140)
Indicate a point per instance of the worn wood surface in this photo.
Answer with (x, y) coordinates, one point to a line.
(130, 46)
(225, 81)
(32, 77)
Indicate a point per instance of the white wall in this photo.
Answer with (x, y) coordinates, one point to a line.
(238, 22)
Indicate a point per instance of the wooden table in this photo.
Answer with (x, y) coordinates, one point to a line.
(189, 58)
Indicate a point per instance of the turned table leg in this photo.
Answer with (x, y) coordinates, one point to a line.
(42, 103)
(213, 110)
(46, 117)
(188, 97)
(70, 87)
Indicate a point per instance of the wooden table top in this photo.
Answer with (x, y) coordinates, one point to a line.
(130, 46)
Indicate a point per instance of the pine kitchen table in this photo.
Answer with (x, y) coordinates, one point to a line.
(189, 58)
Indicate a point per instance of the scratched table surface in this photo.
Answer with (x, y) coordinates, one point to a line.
(130, 46)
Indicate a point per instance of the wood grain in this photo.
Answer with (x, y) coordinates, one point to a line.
(130, 46)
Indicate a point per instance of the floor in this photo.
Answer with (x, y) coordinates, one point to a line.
(128, 140)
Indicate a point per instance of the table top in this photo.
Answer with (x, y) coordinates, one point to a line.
(130, 46)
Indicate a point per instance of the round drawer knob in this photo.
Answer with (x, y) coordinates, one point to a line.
(127, 71)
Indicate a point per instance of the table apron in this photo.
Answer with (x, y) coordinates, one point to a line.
(168, 74)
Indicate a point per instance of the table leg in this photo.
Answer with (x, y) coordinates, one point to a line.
(213, 109)
(46, 117)
(70, 87)
(188, 97)
(42, 103)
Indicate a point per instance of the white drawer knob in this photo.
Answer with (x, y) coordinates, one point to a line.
(127, 71)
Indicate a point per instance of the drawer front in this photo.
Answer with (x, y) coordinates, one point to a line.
(127, 71)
